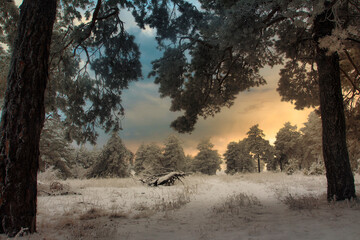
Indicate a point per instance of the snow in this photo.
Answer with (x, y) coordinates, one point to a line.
(244, 206)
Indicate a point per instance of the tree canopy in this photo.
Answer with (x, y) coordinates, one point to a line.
(93, 58)
(208, 160)
(174, 156)
(238, 158)
(260, 148)
(287, 144)
(149, 159)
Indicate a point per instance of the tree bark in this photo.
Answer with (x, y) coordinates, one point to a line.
(336, 158)
(23, 116)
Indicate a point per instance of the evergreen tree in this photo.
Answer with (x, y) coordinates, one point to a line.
(260, 148)
(114, 160)
(207, 161)
(238, 158)
(86, 158)
(149, 160)
(311, 141)
(189, 161)
(55, 150)
(174, 156)
(287, 145)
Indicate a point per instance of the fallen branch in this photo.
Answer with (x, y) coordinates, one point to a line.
(167, 179)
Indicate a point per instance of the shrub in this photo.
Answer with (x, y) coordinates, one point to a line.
(234, 203)
(295, 202)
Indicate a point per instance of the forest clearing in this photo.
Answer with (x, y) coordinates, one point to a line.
(241, 206)
(70, 75)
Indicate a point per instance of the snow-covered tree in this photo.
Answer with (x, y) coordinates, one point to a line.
(173, 156)
(149, 159)
(55, 150)
(86, 158)
(208, 160)
(287, 145)
(114, 160)
(311, 140)
(189, 161)
(238, 158)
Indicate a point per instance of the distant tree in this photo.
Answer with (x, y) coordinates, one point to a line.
(353, 132)
(189, 161)
(86, 158)
(258, 146)
(114, 160)
(173, 156)
(207, 161)
(311, 141)
(55, 150)
(238, 158)
(287, 145)
(149, 159)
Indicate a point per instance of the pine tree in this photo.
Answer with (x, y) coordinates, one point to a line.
(238, 158)
(174, 156)
(287, 145)
(189, 162)
(260, 148)
(311, 141)
(114, 160)
(207, 161)
(149, 160)
(55, 150)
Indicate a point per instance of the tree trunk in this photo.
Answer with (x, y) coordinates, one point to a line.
(338, 171)
(258, 161)
(23, 116)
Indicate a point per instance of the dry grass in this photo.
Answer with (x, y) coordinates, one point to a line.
(92, 213)
(350, 204)
(234, 204)
(143, 214)
(175, 201)
(118, 214)
(103, 183)
(306, 202)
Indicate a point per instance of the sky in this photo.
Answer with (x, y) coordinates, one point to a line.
(147, 116)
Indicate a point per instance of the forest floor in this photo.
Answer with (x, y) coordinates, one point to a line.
(245, 206)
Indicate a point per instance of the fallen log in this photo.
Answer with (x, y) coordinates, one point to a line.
(166, 179)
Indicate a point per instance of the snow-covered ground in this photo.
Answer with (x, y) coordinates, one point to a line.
(245, 206)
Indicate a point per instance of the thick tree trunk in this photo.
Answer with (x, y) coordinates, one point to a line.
(23, 116)
(258, 162)
(338, 171)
